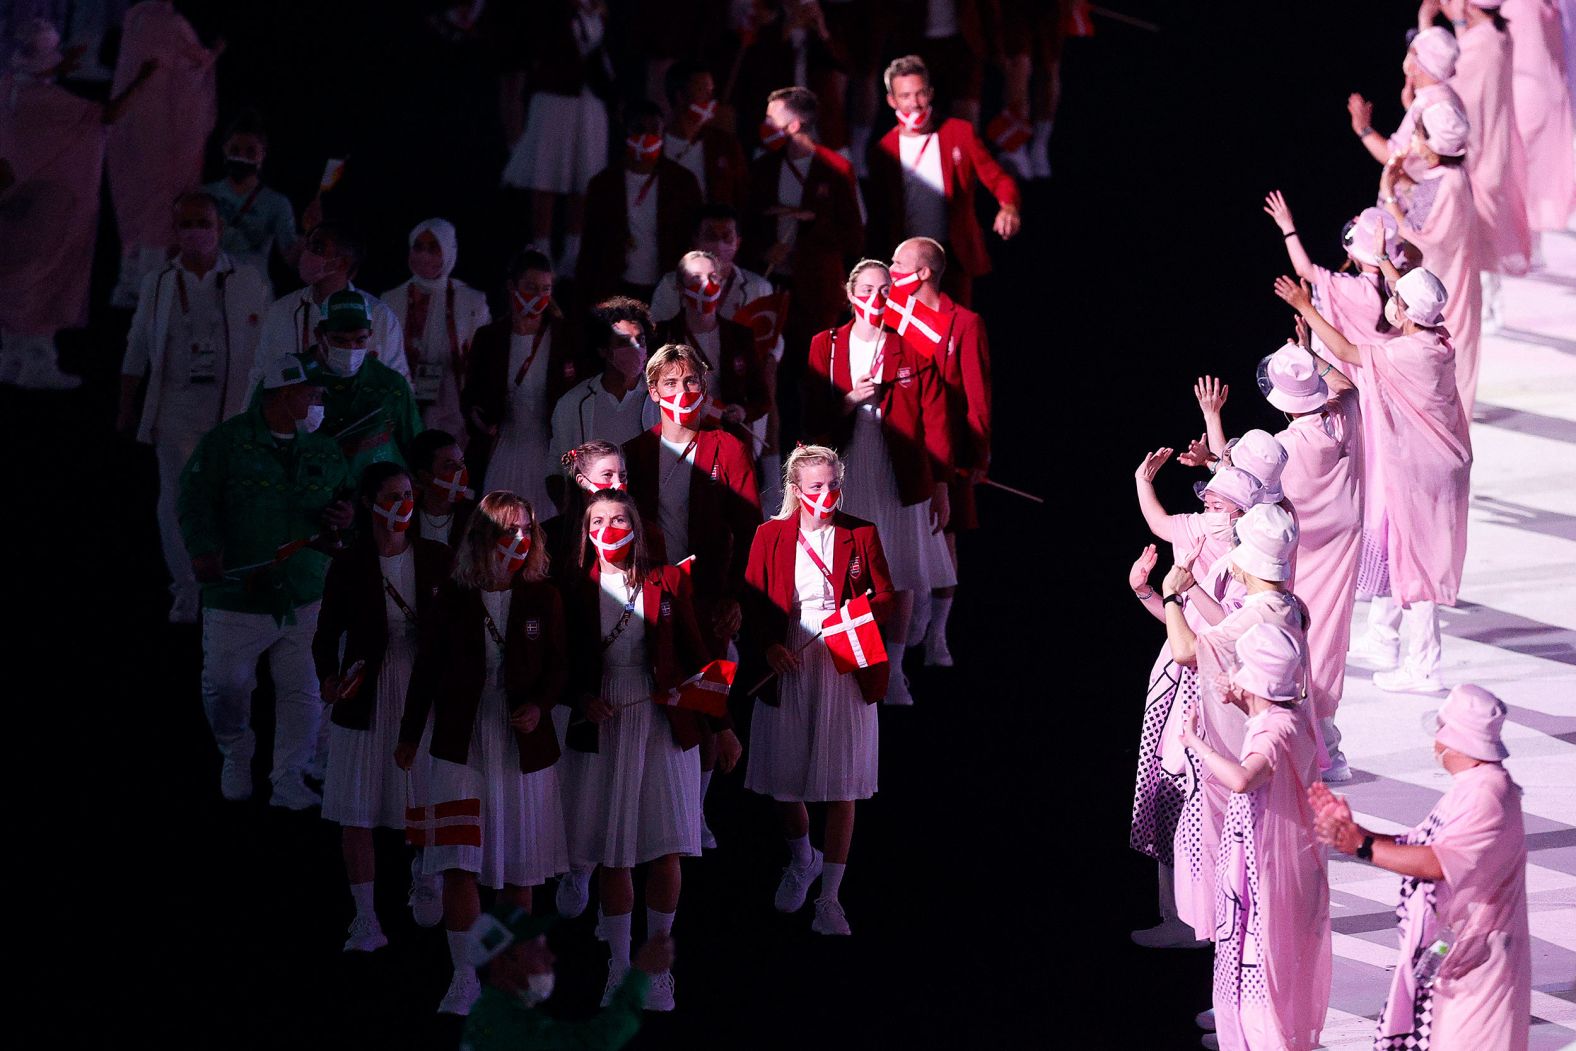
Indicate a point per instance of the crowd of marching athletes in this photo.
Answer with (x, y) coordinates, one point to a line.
(1363, 494)
(508, 572)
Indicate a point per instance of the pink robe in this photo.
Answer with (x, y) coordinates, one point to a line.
(156, 148)
(1440, 220)
(1482, 999)
(1543, 110)
(1197, 841)
(54, 142)
(1425, 463)
(1495, 158)
(1323, 479)
(1272, 903)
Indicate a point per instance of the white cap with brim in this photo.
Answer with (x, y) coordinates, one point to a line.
(1271, 663)
(1266, 543)
(1469, 722)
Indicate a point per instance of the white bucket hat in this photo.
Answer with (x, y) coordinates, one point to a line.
(1266, 542)
(1271, 663)
(1258, 453)
(1292, 376)
(1470, 722)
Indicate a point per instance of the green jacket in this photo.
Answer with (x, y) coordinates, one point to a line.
(498, 1023)
(243, 494)
(373, 415)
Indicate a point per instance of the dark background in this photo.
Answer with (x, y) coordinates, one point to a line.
(990, 888)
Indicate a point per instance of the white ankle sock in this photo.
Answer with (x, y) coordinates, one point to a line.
(799, 850)
(705, 785)
(457, 951)
(616, 930)
(1042, 135)
(832, 879)
(895, 651)
(658, 922)
(940, 610)
(361, 894)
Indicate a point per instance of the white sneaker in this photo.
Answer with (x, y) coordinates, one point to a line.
(936, 653)
(426, 896)
(464, 988)
(897, 691)
(659, 997)
(366, 935)
(1205, 1020)
(235, 779)
(573, 893)
(1168, 934)
(795, 885)
(1369, 652)
(293, 793)
(1404, 680)
(708, 838)
(829, 917)
(1339, 772)
(615, 978)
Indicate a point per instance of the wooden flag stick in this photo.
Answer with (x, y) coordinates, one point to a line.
(1117, 16)
(772, 675)
(1015, 492)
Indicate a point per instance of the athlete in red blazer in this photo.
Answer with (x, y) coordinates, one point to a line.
(604, 252)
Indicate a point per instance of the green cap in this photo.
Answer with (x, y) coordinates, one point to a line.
(500, 927)
(346, 311)
(291, 370)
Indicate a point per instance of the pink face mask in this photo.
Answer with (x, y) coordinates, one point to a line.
(426, 265)
(534, 306)
(311, 267)
(198, 240)
(773, 137)
(684, 410)
(915, 120)
(704, 293)
(512, 551)
(454, 483)
(397, 513)
(614, 543)
(643, 148)
(704, 113)
(871, 308)
(823, 505)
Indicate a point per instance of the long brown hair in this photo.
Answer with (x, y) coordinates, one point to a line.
(498, 514)
(639, 562)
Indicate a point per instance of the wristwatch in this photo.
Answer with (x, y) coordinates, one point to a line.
(1173, 597)
(1365, 852)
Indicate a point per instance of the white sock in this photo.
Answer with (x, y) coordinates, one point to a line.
(1042, 135)
(799, 850)
(895, 651)
(457, 951)
(831, 879)
(705, 785)
(361, 894)
(658, 922)
(940, 610)
(919, 623)
(616, 930)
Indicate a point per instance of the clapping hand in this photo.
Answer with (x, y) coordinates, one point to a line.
(1138, 576)
(1197, 454)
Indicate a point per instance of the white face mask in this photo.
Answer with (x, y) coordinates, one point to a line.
(1220, 526)
(314, 419)
(538, 988)
(1392, 312)
(346, 361)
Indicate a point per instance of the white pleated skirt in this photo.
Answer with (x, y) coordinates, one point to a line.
(363, 786)
(822, 743)
(870, 492)
(638, 797)
(564, 145)
(520, 465)
(522, 815)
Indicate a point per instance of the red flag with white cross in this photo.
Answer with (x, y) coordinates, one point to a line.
(854, 637)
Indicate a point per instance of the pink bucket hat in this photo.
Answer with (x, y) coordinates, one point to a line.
(1445, 129)
(1424, 296)
(1258, 453)
(1436, 50)
(1359, 240)
(1292, 376)
(1266, 542)
(1469, 722)
(1271, 663)
(1235, 485)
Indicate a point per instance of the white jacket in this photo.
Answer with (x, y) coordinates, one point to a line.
(245, 297)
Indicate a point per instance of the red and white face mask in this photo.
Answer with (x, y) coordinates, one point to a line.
(916, 120)
(686, 409)
(397, 513)
(704, 113)
(703, 293)
(871, 308)
(773, 137)
(533, 307)
(596, 487)
(454, 484)
(643, 148)
(903, 282)
(614, 543)
(511, 552)
(821, 505)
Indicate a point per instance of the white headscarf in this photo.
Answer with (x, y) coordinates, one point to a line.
(443, 231)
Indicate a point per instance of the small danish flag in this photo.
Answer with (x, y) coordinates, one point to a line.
(706, 691)
(853, 637)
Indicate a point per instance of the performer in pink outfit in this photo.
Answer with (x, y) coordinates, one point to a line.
(1429, 64)
(1425, 463)
(1543, 112)
(1436, 213)
(156, 152)
(1353, 297)
(1272, 898)
(1464, 889)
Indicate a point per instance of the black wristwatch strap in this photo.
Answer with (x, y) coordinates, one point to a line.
(1366, 851)
(1172, 598)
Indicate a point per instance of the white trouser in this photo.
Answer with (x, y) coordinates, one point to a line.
(1384, 620)
(232, 643)
(173, 444)
(1420, 649)
(1331, 735)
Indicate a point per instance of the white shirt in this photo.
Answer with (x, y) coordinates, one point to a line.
(790, 194)
(400, 572)
(673, 494)
(588, 411)
(195, 355)
(813, 590)
(525, 409)
(692, 155)
(629, 649)
(436, 527)
(642, 263)
(924, 190)
(861, 355)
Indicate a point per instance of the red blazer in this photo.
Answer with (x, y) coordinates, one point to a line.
(675, 650)
(604, 252)
(488, 381)
(913, 409)
(965, 370)
(739, 379)
(824, 247)
(771, 596)
(724, 507)
(354, 610)
(964, 162)
(451, 670)
(727, 171)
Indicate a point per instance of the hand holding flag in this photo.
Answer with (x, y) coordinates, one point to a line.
(706, 691)
(853, 637)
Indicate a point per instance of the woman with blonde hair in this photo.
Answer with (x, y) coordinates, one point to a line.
(814, 732)
(490, 666)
